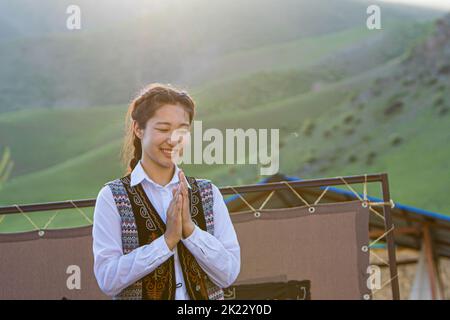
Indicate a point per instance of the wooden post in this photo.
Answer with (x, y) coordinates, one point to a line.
(428, 241)
(390, 238)
(439, 277)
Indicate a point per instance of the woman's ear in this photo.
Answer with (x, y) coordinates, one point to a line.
(137, 130)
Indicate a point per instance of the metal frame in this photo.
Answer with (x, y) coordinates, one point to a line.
(382, 178)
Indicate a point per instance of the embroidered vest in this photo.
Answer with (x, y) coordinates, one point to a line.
(141, 224)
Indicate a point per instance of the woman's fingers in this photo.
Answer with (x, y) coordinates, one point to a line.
(182, 179)
(186, 212)
(185, 193)
(179, 206)
(171, 210)
(185, 202)
(174, 191)
(172, 203)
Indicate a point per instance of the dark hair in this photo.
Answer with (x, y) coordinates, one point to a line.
(142, 108)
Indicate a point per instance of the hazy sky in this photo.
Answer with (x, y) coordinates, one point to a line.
(438, 4)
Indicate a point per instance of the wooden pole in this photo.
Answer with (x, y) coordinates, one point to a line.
(430, 260)
(390, 238)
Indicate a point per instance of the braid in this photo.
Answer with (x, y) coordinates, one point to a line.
(137, 154)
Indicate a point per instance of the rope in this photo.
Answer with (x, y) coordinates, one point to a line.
(81, 212)
(377, 213)
(382, 236)
(28, 218)
(348, 186)
(320, 197)
(51, 219)
(267, 199)
(296, 193)
(243, 199)
(379, 258)
(390, 203)
(385, 284)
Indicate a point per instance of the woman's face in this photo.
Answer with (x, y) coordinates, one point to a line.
(160, 138)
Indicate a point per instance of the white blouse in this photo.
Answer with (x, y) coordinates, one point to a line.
(218, 254)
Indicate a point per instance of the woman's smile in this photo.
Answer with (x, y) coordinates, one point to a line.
(168, 153)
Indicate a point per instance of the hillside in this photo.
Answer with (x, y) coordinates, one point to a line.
(45, 65)
(365, 102)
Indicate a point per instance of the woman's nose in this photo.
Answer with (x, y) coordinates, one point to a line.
(175, 138)
(173, 141)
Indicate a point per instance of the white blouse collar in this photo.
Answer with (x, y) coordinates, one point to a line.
(138, 175)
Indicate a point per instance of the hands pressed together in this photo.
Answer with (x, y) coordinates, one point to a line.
(179, 223)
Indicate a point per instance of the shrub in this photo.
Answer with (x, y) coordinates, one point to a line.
(395, 140)
(352, 158)
(308, 127)
(394, 108)
(370, 157)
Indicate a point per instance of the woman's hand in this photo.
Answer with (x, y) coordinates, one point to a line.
(174, 220)
(188, 224)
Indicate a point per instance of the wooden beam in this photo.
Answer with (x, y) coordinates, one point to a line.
(399, 263)
(307, 183)
(390, 241)
(439, 276)
(405, 230)
(421, 221)
(428, 241)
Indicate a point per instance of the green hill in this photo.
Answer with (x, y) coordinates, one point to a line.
(367, 102)
(105, 62)
(42, 138)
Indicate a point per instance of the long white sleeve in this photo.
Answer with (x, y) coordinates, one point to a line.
(218, 255)
(113, 270)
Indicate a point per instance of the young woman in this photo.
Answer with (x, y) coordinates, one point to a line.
(158, 234)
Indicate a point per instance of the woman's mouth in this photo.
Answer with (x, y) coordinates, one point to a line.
(167, 152)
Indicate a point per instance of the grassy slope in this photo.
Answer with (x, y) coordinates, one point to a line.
(296, 150)
(66, 69)
(82, 176)
(29, 132)
(42, 138)
(294, 54)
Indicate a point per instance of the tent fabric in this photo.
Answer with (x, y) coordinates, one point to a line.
(288, 242)
(402, 215)
(324, 247)
(56, 265)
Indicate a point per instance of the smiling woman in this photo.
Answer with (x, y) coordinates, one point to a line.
(158, 234)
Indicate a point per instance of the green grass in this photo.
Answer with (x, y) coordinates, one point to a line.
(42, 138)
(297, 54)
(70, 154)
